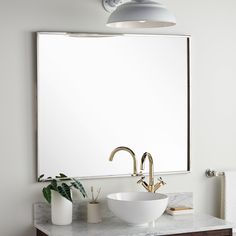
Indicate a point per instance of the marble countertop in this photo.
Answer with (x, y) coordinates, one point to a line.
(112, 226)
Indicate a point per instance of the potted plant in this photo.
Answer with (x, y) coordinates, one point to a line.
(58, 193)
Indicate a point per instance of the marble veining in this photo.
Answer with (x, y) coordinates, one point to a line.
(180, 199)
(112, 226)
(42, 211)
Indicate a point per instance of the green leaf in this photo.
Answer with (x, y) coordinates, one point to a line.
(62, 175)
(54, 184)
(47, 193)
(50, 187)
(76, 184)
(40, 178)
(64, 190)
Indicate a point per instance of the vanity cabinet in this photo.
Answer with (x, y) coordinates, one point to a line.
(39, 233)
(223, 232)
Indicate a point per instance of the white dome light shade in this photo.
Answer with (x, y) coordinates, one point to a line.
(141, 14)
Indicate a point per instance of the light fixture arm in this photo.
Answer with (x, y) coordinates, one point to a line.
(111, 5)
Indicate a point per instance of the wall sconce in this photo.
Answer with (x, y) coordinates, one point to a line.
(137, 14)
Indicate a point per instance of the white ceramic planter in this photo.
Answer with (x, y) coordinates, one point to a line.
(94, 213)
(61, 210)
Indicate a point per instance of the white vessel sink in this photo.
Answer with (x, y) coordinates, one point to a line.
(137, 207)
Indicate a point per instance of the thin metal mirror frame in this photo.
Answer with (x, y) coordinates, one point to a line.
(81, 34)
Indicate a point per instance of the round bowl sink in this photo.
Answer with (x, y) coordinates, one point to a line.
(137, 207)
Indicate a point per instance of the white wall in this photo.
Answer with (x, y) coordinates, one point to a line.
(212, 25)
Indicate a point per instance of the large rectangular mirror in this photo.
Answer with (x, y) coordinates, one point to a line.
(97, 92)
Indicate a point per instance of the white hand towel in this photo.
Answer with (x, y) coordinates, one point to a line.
(228, 197)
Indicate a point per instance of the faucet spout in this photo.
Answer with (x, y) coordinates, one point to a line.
(151, 169)
(122, 148)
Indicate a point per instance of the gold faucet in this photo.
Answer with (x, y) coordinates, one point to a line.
(151, 187)
(131, 153)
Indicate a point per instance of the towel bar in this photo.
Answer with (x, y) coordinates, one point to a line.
(213, 173)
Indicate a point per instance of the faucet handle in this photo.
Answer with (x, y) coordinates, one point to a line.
(144, 184)
(159, 184)
(141, 180)
(161, 181)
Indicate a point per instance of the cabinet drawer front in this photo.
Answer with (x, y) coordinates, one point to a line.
(39, 233)
(223, 232)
